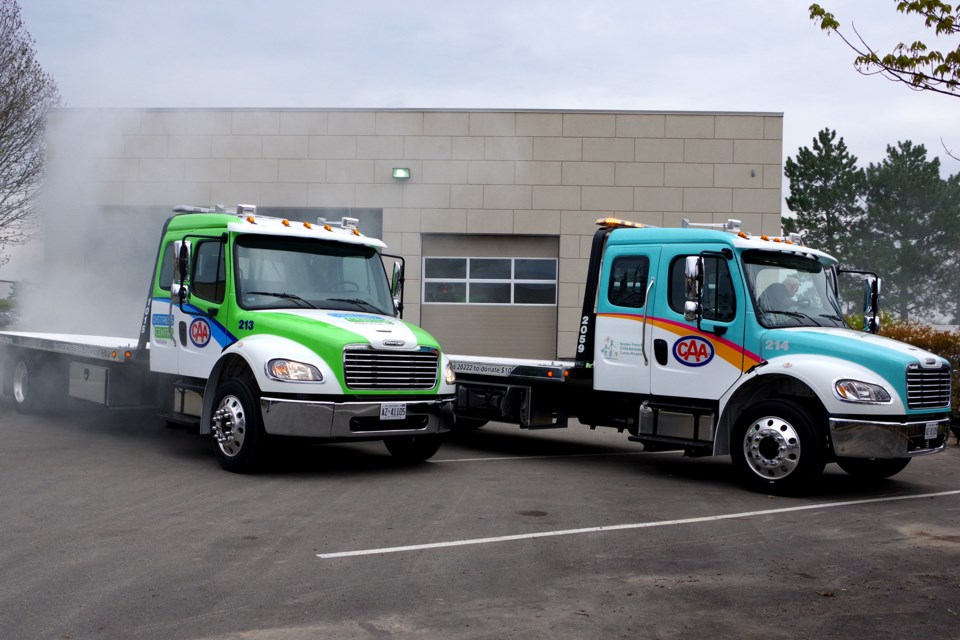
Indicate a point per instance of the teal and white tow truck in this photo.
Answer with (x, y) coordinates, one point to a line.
(255, 328)
(714, 342)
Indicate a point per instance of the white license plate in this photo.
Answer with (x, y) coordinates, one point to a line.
(393, 411)
(931, 431)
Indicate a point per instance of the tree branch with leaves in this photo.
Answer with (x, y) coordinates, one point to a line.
(916, 65)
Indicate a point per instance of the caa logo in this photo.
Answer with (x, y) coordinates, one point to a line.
(199, 333)
(693, 351)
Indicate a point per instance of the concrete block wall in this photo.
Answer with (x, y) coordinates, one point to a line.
(490, 172)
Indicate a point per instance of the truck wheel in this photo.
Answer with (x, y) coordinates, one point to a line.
(413, 449)
(25, 396)
(38, 386)
(873, 469)
(239, 441)
(775, 447)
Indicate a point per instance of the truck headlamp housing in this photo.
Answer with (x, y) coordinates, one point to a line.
(863, 392)
(293, 371)
(448, 374)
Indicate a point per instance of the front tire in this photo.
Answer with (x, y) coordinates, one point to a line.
(413, 449)
(873, 469)
(776, 448)
(239, 441)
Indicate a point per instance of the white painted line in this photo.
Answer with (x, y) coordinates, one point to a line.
(622, 527)
(571, 455)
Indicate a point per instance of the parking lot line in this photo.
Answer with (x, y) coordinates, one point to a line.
(559, 455)
(622, 527)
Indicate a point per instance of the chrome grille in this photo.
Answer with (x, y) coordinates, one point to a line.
(382, 369)
(928, 388)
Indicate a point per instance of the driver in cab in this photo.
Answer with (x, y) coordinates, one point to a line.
(779, 296)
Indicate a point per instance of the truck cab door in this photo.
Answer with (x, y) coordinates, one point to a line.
(623, 348)
(699, 359)
(199, 323)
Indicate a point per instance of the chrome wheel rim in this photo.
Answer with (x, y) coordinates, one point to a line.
(230, 426)
(772, 448)
(20, 381)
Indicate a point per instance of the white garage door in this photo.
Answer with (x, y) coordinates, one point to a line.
(491, 295)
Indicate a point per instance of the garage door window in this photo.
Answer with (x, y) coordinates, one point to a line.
(531, 281)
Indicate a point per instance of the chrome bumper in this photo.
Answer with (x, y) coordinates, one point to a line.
(314, 419)
(866, 439)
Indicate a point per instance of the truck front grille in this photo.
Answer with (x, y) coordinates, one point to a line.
(928, 388)
(366, 369)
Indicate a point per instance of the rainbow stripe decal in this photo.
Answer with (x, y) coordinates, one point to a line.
(726, 350)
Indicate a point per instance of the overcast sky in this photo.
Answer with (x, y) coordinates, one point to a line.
(739, 55)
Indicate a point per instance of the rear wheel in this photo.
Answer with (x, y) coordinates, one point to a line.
(37, 387)
(873, 469)
(413, 449)
(238, 437)
(24, 398)
(776, 448)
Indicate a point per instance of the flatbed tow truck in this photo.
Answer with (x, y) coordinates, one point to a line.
(714, 342)
(256, 328)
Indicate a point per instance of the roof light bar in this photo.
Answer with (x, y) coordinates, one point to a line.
(614, 223)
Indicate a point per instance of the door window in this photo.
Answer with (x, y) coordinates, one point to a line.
(719, 300)
(628, 281)
(209, 272)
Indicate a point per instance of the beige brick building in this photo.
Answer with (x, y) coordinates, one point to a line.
(498, 194)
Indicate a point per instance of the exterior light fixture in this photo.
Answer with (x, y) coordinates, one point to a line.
(401, 173)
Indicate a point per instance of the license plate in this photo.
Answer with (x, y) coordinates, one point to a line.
(931, 431)
(393, 411)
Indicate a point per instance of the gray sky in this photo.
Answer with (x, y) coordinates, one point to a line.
(739, 55)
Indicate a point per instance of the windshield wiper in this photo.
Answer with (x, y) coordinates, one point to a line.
(793, 314)
(285, 296)
(832, 317)
(358, 302)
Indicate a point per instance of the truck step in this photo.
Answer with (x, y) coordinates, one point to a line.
(693, 448)
(181, 421)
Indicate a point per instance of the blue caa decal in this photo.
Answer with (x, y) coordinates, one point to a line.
(693, 351)
(199, 332)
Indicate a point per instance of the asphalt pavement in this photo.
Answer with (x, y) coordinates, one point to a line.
(113, 525)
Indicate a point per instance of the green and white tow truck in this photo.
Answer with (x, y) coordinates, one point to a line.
(255, 328)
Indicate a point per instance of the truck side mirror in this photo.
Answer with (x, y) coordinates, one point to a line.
(396, 287)
(871, 304)
(182, 251)
(693, 272)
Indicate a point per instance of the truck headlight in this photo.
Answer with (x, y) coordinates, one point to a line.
(857, 391)
(293, 371)
(448, 375)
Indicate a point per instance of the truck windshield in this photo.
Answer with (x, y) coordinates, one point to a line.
(789, 290)
(291, 273)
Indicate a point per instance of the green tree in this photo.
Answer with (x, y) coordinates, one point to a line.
(27, 93)
(826, 189)
(914, 64)
(910, 232)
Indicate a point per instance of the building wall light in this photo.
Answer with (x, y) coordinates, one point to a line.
(401, 173)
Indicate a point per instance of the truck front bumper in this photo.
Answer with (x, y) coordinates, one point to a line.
(868, 439)
(354, 420)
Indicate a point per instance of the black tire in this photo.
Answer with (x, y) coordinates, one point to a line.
(872, 468)
(413, 449)
(776, 448)
(239, 441)
(37, 387)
